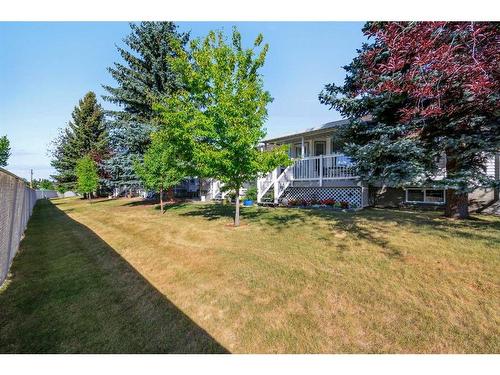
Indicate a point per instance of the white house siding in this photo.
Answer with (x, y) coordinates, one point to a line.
(490, 167)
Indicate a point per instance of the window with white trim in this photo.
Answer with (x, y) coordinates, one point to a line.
(430, 196)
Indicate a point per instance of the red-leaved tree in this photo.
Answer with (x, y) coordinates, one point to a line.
(432, 89)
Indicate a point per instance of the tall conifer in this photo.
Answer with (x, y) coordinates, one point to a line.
(84, 135)
(142, 77)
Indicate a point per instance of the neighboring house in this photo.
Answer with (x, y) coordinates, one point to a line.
(320, 171)
(188, 188)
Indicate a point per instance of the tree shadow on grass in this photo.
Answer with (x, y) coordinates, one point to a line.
(371, 225)
(155, 203)
(276, 218)
(70, 292)
(218, 211)
(368, 225)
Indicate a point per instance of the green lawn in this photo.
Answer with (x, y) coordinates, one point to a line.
(117, 276)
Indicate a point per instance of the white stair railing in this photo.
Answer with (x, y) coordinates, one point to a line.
(264, 183)
(278, 182)
(282, 182)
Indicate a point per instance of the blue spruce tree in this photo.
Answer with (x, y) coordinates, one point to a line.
(144, 76)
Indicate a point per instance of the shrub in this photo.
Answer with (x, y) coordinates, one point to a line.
(328, 202)
(251, 193)
(297, 202)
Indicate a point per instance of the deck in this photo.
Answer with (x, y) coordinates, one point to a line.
(315, 170)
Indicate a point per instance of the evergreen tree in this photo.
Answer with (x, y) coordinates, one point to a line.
(144, 76)
(87, 176)
(216, 121)
(85, 135)
(430, 90)
(4, 150)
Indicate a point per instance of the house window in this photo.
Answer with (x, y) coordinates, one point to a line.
(298, 150)
(431, 196)
(334, 146)
(434, 196)
(415, 195)
(319, 148)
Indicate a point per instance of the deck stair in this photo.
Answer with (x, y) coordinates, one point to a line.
(277, 181)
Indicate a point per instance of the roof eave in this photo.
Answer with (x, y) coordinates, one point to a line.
(309, 132)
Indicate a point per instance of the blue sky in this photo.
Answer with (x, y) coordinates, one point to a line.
(45, 68)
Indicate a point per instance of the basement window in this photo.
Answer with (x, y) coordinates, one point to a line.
(430, 196)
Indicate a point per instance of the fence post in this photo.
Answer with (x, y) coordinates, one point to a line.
(11, 230)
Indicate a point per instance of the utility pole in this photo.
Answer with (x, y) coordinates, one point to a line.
(31, 179)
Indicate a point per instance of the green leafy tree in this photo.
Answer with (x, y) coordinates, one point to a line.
(43, 183)
(4, 150)
(144, 75)
(61, 189)
(160, 169)
(85, 135)
(219, 113)
(87, 176)
(46, 184)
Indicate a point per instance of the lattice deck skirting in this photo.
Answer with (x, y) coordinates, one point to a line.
(353, 195)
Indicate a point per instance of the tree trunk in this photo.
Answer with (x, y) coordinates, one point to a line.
(237, 211)
(161, 200)
(200, 183)
(457, 204)
(89, 196)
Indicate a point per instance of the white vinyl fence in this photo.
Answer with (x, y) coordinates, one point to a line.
(16, 206)
(47, 194)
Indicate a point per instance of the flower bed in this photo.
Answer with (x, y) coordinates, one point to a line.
(315, 203)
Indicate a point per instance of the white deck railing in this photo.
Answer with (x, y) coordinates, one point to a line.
(282, 182)
(323, 167)
(316, 168)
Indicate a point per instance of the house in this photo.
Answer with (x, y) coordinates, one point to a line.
(320, 171)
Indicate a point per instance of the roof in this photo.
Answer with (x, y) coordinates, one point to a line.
(310, 131)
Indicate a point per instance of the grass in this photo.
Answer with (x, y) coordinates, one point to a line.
(117, 276)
